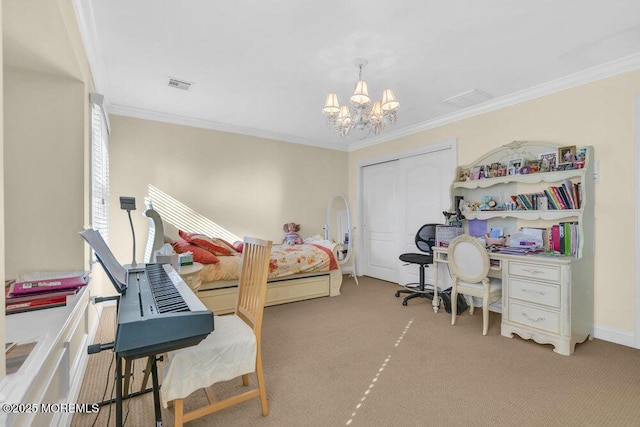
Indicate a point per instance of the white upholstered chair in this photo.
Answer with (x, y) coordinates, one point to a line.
(469, 263)
(232, 350)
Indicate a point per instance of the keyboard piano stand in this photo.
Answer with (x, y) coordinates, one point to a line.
(122, 389)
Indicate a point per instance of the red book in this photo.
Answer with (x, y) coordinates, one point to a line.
(35, 304)
(555, 233)
(49, 285)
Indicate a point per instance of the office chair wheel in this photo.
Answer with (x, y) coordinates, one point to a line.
(404, 303)
(397, 294)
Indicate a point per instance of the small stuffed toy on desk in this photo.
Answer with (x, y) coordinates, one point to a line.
(291, 236)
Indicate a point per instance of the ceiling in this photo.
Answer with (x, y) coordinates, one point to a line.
(264, 68)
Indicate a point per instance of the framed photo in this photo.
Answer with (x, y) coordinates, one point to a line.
(534, 165)
(516, 164)
(475, 172)
(566, 154)
(548, 161)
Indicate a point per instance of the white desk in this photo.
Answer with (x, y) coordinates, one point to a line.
(541, 297)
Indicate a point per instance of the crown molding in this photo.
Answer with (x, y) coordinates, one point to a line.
(610, 69)
(222, 127)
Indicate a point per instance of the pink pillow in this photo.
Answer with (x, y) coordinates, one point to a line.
(214, 245)
(239, 246)
(200, 255)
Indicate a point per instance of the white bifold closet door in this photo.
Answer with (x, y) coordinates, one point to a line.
(398, 197)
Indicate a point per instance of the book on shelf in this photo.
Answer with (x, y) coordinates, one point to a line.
(553, 205)
(29, 302)
(47, 285)
(555, 237)
(568, 189)
(12, 307)
(9, 297)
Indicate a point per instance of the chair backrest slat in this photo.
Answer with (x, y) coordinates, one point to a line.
(252, 286)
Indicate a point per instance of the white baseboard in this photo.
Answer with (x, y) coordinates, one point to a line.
(615, 336)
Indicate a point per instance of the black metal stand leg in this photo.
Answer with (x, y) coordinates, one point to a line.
(118, 391)
(156, 392)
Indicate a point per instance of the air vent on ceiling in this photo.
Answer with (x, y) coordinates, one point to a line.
(180, 84)
(468, 98)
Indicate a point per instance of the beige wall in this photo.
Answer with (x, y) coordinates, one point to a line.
(44, 188)
(247, 185)
(599, 114)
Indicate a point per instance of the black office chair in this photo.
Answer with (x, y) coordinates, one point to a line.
(425, 239)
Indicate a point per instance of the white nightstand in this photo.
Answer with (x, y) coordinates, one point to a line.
(191, 275)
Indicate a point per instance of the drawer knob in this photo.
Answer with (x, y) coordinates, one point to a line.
(539, 319)
(533, 271)
(535, 292)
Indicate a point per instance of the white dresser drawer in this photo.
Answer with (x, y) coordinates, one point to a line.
(549, 273)
(534, 317)
(538, 293)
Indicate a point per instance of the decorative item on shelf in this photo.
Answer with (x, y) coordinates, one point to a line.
(494, 170)
(475, 172)
(566, 156)
(363, 117)
(534, 165)
(516, 164)
(487, 203)
(548, 161)
(581, 157)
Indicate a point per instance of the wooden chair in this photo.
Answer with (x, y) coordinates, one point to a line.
(232, 350)
(469, 263)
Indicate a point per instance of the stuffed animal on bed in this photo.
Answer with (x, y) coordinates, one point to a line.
(291, 236)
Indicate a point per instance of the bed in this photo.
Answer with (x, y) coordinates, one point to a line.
(296, 272)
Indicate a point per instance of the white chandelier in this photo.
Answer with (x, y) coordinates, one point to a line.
(361, 116)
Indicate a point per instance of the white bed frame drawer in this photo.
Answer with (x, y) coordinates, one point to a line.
(538, 293)
(223, 301)
(534, 317)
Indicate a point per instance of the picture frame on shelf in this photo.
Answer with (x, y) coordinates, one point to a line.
(516, 164)
(548, 161)
(566, 154)
(475, 172)
(534, 165)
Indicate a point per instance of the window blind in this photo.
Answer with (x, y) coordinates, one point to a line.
(99, 166)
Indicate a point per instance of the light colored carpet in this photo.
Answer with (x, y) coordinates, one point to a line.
(363, 359)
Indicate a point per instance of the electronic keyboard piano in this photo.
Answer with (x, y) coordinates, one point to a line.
(158, 313)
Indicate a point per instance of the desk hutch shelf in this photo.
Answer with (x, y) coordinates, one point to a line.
(545, 298)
